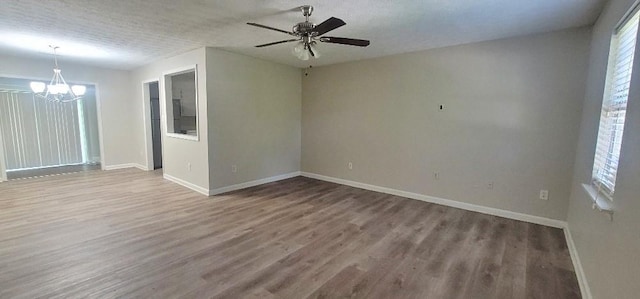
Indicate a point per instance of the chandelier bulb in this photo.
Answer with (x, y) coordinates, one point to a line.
(37, 87)
(78, 90)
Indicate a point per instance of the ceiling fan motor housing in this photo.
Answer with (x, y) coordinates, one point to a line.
(304, 28)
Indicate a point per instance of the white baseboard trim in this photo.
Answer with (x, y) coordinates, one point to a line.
(184, 183)
(123, 166)
(117, 166)
(254, 183)
(577, 265)
(226, 189)
(442, 201)
(140, 166)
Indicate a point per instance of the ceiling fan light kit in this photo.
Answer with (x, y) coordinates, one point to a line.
(308, 34)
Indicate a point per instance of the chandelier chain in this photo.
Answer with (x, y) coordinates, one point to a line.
(55, 55)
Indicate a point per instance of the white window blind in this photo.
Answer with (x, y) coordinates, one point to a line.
(614, 106)
(38, 133)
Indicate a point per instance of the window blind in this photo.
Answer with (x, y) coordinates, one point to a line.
(614, 106)
(37, 133)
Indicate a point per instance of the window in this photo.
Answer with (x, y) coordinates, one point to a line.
(182, 103)
(37, 133)
(614, 105)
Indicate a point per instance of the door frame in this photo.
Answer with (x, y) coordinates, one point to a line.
(3, 170)
(146, 116)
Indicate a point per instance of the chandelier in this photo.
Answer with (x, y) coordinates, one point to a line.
(57, 90)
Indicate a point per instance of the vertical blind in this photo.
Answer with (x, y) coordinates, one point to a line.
(38, 133)
(614, 106)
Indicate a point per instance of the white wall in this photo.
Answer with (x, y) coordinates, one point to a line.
(609, 250)
(254, 118)
(114, 99)
(511, 117)
(177, 153)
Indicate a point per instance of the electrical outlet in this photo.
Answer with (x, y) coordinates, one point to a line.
(189, 166)
(436, 175)
(490, 186)
(234, 168)
(544, 194)
(350, 165)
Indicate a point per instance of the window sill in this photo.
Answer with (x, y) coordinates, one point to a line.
(184, 136)
(601, 204)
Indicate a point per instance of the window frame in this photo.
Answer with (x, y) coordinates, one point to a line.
(597, 181)
(167, 101)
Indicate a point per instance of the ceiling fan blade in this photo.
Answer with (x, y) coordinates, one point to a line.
(345, 41)
(275, 43)
(328, 25)
(271, 28)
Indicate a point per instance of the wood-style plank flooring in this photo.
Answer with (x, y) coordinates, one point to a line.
(128, 233)
(48, 171)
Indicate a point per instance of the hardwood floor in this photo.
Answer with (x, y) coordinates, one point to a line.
(128, 233)
(48, 171)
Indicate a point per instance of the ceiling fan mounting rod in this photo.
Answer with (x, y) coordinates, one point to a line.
(307, 10)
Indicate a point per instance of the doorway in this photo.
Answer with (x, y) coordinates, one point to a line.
(152, 89)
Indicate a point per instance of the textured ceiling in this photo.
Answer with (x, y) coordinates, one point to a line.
(129, 33)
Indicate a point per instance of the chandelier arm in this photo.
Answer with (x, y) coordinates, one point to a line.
(46, 95)
(73, 95)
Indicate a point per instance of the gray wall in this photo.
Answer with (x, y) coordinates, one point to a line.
(254, 118)
(511, 118)
(609, 250)
(177, 153)
(249, 117)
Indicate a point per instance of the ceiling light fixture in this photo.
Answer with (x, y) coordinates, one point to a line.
(58, 90)
(305, 49)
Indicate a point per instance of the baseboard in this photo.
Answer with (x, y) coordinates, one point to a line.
(141, 167)
(123, 166)
(577, 265)
(445, 202)
(253, 183)
(184, 183)
(235, 187)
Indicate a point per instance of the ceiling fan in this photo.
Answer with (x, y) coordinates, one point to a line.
(307, 34)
